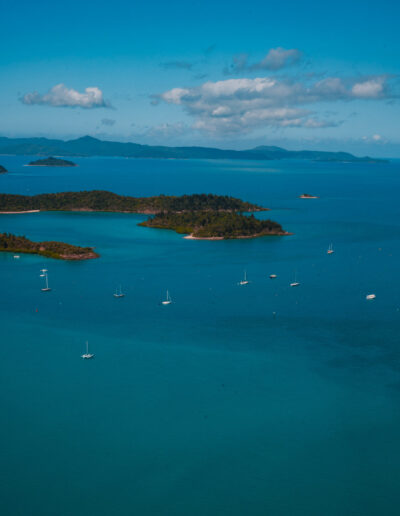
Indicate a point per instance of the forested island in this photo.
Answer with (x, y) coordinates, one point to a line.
(2, 170)
(20, 244)
(199, 215)
(215, 225)
(51, 162)
(99, 200)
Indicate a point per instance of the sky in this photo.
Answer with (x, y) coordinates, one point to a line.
(228, 74)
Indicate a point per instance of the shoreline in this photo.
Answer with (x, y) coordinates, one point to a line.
(17, 212)
(191, 237)
(51, 166)
(137, 212)
(66, 257)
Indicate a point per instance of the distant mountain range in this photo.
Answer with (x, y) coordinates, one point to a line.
(88, 146)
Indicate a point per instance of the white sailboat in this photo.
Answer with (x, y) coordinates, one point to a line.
(295, 283)
(87, 355)
(244, 281)
(168, 300)
(330, 249)
(119, 293)
(45, 276)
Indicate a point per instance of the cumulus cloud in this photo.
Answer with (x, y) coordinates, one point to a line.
(240, 105)
(61, 96)
(275, 59)
(370, 89)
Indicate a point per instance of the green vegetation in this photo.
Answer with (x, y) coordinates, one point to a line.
(201, 215)
(2, 170)
(212, 224)
(98, 200)
(52, 162)
(20, 244)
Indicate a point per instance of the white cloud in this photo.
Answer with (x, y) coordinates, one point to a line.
(370, 89)
(377, 137)
(61, 96)
(235, 105)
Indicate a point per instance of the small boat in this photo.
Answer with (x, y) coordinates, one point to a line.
(370, 296)
(244, 281)
(119, 293)
(168, 300)
(45, 276)
(273, 276)
(87, 355)
(295, 283)
(16, 256)
(330, 249)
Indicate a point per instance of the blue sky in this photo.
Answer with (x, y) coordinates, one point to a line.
(228, 74)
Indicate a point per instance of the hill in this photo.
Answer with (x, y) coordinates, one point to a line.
(88, 146)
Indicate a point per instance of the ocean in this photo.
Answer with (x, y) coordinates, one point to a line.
(255, 400)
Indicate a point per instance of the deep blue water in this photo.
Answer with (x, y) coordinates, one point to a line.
(212, 405)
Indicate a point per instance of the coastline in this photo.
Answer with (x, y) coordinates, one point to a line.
(191, 237)
(17, 212)
(51, 166)
(67, 257)
(258, 235)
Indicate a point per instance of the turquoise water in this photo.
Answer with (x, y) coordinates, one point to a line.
(212, 405)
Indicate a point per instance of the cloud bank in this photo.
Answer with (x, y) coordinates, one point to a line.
(240, 105)
(61, 96)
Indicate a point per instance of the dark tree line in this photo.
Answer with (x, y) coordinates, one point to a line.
(99, 200)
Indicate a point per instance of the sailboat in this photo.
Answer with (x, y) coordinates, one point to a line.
(87, 355)
(295, 283)
(369, 297)
(330, 249)
(118, 293)
(244, 281)
(45, 276)
(168, 300)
